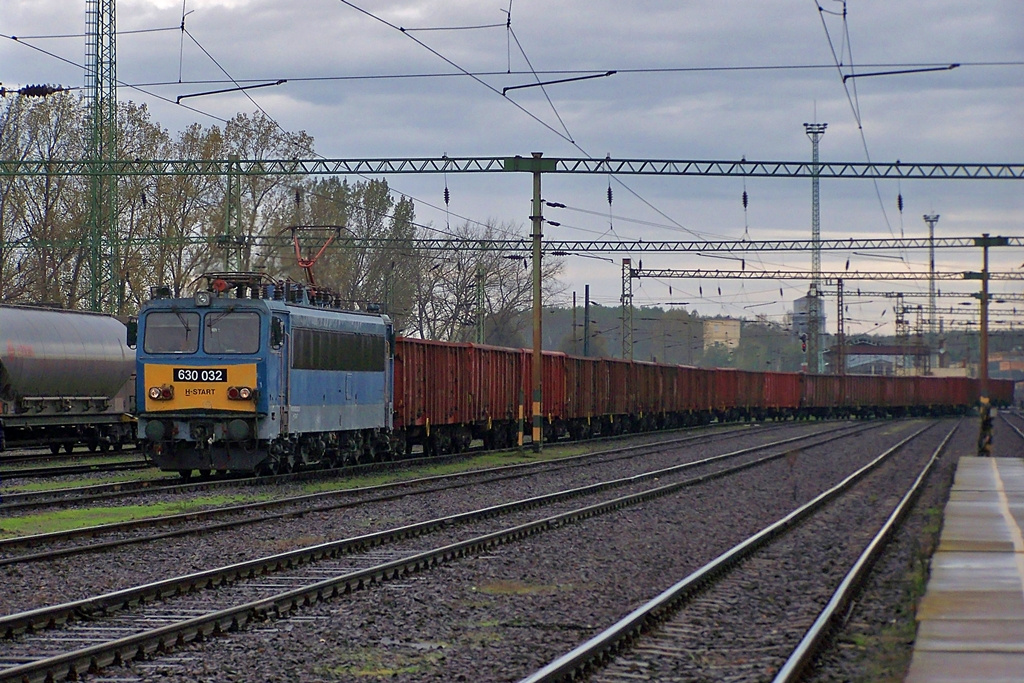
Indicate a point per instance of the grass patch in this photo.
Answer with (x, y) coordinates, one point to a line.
(887, 654)
(517, 588)
(86, 480)
(374, 663)
(76, 460)
(63, 520)
(440, 469)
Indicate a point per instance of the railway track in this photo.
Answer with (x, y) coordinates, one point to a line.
(91, 539)
(66, 470)
(280, 585)
(76, 496)
(33, 454)
(754, 612)
(1015, 423)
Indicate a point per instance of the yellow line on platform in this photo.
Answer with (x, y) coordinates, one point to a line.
(1011, 523)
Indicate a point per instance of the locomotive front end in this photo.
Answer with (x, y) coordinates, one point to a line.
(201, 383)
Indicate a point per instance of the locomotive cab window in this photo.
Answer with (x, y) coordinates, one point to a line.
(171, 332)
(231, 332)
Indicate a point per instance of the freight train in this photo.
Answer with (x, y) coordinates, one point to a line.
(66, 378)
(256, 375)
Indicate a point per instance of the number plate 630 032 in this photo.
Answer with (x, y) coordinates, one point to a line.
(200, 375)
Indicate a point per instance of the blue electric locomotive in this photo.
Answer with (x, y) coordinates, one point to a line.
(253, 375)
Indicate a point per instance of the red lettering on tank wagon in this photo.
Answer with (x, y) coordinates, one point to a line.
(20, 350)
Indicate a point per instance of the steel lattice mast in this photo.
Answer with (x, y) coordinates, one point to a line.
(931, 220)
(101, 91)
(814, 350)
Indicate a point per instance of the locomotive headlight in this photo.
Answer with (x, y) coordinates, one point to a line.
(241, 393)
(161, 393)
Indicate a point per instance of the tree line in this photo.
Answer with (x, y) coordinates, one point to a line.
(171, 229)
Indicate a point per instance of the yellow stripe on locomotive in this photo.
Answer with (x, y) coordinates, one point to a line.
(187, 387)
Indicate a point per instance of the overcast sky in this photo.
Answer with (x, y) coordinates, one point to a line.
(670, 99)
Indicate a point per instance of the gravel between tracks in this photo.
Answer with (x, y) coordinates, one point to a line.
(876, 643)
(499, 615)
(82, 576)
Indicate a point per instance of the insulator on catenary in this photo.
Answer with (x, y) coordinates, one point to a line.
(744, 199)
(40, 90)
(609, 195)
(899, 201)
(447, 196)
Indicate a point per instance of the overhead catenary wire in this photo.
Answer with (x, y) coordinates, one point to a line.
(539, 72)
(533, 116)
(852, 98)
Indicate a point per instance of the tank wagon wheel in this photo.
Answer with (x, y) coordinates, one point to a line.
(93, 445)
(204, 474)
(68, 447)
(185, 475)
(54, 448)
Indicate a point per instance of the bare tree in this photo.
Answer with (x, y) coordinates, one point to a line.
(45, 215)
(448, 305)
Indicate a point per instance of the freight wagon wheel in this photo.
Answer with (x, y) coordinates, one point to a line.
(68, 447)
(93, 446)
(185, 475)
(54, 448)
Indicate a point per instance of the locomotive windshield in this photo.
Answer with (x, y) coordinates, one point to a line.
(232, 332)
(171, 332)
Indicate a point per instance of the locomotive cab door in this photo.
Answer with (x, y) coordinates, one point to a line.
(389, 376)
(280, 355)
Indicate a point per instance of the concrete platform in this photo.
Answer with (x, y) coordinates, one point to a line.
(971, 620)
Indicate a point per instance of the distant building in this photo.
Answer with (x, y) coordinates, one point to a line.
(723, 331)
(801, 313)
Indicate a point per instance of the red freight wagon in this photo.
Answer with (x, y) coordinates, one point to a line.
(554, 384)
(904, 393)
(648, 400)
(781, 392)
(704, 389)
(1000, 391)
(501, 374)
(725, 394)
(820, 394)
(929, 392)
(674, 383)
(750, 392)
(446, 394)
(862, 391)
(621, 397)
(580, 387)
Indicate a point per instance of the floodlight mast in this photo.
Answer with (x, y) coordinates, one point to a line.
(814, 351)
(931, 220)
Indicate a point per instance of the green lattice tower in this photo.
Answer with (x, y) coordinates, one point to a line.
(106, 293)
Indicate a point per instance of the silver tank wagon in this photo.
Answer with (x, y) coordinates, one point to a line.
(65, 378)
